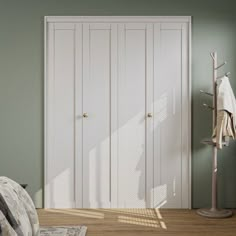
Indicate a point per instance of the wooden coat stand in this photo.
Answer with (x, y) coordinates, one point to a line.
(214, 212)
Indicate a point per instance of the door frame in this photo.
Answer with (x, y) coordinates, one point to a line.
(119, 19)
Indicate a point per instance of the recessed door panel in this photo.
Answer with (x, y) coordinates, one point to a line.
(96, 111)
(61, 112)
(131, 116)
(167, 116)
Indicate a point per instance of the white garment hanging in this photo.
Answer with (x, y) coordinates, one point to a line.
(226, 112)
(225, 97)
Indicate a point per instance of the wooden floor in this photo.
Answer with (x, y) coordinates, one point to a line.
(135, 222)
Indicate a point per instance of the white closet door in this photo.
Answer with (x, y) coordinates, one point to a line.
(60, 182)
(117, 114)
(132, 154)
(97, 48)
(169, 88)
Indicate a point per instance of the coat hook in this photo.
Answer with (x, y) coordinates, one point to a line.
(212, 56)
(222, 76)
(207, 106)
(207, 93)
(218, 67)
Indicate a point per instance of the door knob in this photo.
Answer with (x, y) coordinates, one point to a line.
(85, 115)
(149, 115)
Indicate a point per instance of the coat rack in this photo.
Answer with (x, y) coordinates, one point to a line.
(214, 212)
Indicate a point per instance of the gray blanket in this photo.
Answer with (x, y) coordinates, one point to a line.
(18, 216)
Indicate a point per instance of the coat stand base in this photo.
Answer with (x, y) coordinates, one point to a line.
(215, 213)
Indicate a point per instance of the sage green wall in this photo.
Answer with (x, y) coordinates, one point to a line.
(21, 82)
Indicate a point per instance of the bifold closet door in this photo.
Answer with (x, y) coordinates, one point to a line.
(98, 50)
(81, 71)
(170, 115)
(61, 113)
(134, 157)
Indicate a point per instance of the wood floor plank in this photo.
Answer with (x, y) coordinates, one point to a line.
(135, 222)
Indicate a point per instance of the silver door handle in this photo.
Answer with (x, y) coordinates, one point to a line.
(85, 115)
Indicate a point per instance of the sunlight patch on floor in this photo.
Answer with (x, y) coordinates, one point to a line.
(160, 218)
(140, 217)
(163, 225)
(138, 221)
(78, 212)
(133, 211)
(158, 214)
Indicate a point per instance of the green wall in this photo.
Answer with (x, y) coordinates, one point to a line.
(21, 83)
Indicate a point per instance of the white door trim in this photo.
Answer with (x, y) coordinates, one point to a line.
(112, 19)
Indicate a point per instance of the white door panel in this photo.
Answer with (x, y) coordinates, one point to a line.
(131, 116)
(167, 118)
(96, 127)
(62, 117)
